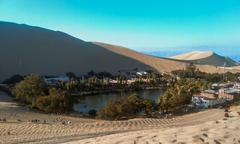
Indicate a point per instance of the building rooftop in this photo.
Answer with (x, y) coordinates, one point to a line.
(210, 91)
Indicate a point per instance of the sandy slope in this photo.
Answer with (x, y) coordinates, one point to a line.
(222, 132)
(237, 67)
(167, 65)
(162, 65)
(205, 58)
(194, 55)
(26, 49)
(18, 129)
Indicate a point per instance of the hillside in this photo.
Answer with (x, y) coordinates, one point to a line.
(25, 49)
(165, 64)
(205, 58)
(160, 64)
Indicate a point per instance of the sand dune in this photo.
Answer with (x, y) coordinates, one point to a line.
(205, 58)
(26, 49)
(168, 65)
(195, 55)
(160, 64)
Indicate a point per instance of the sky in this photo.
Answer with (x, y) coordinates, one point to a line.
(143, 25)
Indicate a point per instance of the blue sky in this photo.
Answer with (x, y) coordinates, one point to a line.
(144, 25)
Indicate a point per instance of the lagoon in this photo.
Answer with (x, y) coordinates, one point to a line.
(97, 102)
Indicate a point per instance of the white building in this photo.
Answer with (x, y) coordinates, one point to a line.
(56, 80)
(237, 85)
(203, 102)
(112, 81)
(141, 73)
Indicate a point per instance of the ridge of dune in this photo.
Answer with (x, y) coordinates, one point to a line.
(160, 64)
(28, 49)
(194, 55)
(206, 58)
(165, 64)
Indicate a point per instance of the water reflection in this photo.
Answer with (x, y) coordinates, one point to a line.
(97, 102)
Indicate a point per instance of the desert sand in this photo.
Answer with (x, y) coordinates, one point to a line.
(194, 55)
(168, 65)
(19, 127)
(214, 132)
(162, 65)
(206, 58)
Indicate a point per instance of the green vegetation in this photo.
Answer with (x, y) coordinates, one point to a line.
(29, 89)
(150, 107)
(180, 94)
(192, 72)
(34, 92)
(180, 86)
(125, 108)
(58, 101)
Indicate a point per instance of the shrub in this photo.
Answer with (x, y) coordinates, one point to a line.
(29, 89)
(58, 101)
(149, 106)
(122, 108)
(180, 94)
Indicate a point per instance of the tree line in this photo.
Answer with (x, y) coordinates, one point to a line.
(181, 85)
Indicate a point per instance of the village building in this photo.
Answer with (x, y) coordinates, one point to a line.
(203, 102)
(237, 85)
(229, 94)
(56, 80)
(113, 81)
(209, 94)
(141, 73)
(210, 98)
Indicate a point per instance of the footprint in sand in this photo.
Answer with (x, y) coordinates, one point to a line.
(236, 140)
(198, 139)
(217, 142)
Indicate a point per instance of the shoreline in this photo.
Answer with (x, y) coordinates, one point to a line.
(115, 91)
(81, 130)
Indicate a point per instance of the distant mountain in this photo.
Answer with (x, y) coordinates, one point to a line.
(205, 58)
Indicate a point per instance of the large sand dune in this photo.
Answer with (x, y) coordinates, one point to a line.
(160, 64)
(205, 58)
(168, 65)
(25, 49)
(195, 55)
